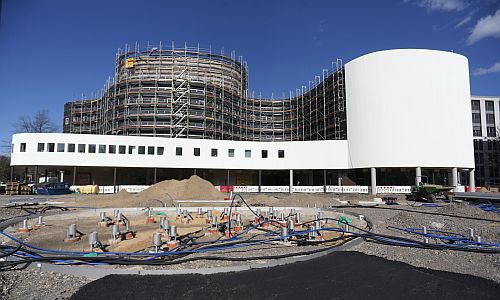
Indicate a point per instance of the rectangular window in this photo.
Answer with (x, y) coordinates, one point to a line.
(50, 147)
(102, 148)
(40, 147)
(476, 131)
(476, 105)
(71, 147)
(122, 149)
(476, 118)
(159, 150)
(92, 148)
(81, 148)
(196, 152)
(214, 152)
(151, 150)
(264, 153)
(178, 151)
(142, 149)
(112, 149)
(23, 147)
(60, 147)
(491, 131)
(489, 105)
(281, 153)
(230, 152)
(490, 119)
(248, 153)
(131, 149)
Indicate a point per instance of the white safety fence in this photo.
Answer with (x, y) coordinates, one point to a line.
(393, 189)
(109, 189)
(348, 189)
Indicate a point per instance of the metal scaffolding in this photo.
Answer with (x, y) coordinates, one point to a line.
(189, 92)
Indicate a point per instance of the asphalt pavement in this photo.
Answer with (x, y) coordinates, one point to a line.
(340, 275)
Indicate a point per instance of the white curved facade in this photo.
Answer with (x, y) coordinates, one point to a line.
(409, 108)
(297, 155)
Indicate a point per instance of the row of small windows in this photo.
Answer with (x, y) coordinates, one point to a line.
(122, 149)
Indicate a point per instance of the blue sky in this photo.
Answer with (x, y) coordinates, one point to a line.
(53, 51)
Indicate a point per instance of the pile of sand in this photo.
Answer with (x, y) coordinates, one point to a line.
(194, 188)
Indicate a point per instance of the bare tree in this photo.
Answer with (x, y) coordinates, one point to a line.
(39, 123)
(4, 168)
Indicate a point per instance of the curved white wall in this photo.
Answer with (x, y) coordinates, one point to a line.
(409, 108)
(298, 154)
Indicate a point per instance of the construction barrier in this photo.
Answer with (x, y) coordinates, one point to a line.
(308, 189)
(295, 189)
(393, 189)
(133, 188)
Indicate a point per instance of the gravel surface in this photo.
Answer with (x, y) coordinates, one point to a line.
(28, 284)
(481, 265)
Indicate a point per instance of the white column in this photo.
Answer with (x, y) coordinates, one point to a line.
(61, 173)
(472, 181)
(374, 180)
(454, 178)
(291, 182)
(418, 175)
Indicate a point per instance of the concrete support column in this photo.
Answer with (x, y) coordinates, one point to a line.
(472, 181)
(114, 180)
(61, 176)
(454, 178)
(74, 175)
(227, 177)
(11, 174)
(194, 172)
(311, 177)
(418, 175)
(324, 181)
(260, 180)
(291, 182)
(154, 176)
(373, 180)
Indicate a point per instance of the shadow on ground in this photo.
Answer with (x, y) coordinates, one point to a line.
(342, 275)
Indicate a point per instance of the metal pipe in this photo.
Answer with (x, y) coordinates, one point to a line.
(72, 231)
(93, 239)
(115, 232)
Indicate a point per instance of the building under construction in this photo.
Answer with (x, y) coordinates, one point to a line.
(195, 93)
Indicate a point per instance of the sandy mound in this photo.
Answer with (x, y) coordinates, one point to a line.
(194, 188)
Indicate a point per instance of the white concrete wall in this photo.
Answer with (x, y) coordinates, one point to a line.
(409, 108)
(298, 155)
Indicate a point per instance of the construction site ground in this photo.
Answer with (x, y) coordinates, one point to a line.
(367, 269)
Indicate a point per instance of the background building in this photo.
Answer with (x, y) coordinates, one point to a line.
(485, 123)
